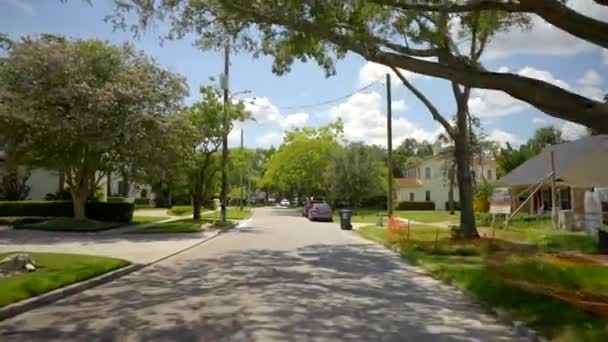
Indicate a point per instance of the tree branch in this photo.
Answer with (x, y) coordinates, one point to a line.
(434, 112)
(554, 12)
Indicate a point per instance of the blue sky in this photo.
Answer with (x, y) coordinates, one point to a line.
(544, 52)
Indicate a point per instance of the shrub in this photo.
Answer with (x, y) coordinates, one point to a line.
(64, 195)
(456, 205)
(112, 212)
(142, 201)
(102, 211)
(375, 202)
(416, 206)
(117, 200)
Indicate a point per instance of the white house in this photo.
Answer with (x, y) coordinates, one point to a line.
(426, 181)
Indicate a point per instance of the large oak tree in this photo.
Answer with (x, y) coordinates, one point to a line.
(88, 105)
(396, 33)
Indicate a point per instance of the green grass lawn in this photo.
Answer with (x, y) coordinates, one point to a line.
(145, 219)
(466, 265)
(70, 224)
(429, 216)
(232, 213)
(179, 210)
(181, 226)
(56, 270)
(363, 215)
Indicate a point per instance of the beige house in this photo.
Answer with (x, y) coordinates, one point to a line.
(580, 166)
(426, 181)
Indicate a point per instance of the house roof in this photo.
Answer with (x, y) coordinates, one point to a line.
(408, 182)
(580, 163)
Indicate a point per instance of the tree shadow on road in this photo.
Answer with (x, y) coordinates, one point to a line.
(355, 292)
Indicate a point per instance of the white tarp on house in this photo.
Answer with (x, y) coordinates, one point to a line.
(580, 163)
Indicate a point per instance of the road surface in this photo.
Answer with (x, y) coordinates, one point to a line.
(278, 278)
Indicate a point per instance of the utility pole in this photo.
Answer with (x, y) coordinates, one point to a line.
(225, 134)
(241, 175)
(389, 134)
(553, 194)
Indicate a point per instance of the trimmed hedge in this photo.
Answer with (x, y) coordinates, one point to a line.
(456, 205)
(416, 206)
(142, 201)
(101, 211)
(117, 200)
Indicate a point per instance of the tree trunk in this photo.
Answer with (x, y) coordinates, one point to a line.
(451, 191)
(197, 196)
(109, 185)
(462, 152)
(124, 190)
(61, 184)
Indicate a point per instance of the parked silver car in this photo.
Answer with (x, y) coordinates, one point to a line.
(320, 211)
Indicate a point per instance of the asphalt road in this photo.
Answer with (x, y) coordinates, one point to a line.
(278, 278)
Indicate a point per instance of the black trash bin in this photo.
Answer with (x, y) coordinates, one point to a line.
(345, 216)
(602, 237)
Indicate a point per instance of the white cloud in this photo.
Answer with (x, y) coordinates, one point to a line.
(294, 120)
(605, 55)
(364, 120)
(371, 72)
(23, 6)
(264, 112)
(503, 137)
(589, 85)
(540, 121)
(573, 131)
(270, 139)
(262, 109)
(590, 78)
(399, 106)
(492, 103)
(545, 38)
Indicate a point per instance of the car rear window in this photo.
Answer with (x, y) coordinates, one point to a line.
(321, 205)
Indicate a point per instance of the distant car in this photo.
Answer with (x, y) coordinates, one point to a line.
(308, 204)
(285, 202)
(320, 211)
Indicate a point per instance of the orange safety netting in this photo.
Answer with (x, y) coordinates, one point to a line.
(397, 229)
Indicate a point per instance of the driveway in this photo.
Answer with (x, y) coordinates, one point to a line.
(137, 248)
(278, 278)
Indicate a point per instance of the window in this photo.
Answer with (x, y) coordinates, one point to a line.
(427, 173)
(427, 196)
(489, 174)
(564, 198)
(418, 173)
(411, 197)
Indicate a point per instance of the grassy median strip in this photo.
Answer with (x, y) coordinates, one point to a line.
(181, 226)
(231, 214)
(546, 292)
(55, 271)
(146, 219)
(68, 224)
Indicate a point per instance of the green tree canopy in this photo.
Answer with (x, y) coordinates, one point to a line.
(88, 105)
(424, 37)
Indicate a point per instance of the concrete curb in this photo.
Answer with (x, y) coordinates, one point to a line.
(60, 293)
(20, 307)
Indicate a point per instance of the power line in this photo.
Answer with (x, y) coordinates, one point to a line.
(334, 100)
(317, 104)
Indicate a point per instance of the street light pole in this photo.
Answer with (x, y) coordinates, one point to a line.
(241, 175)
(225, 135)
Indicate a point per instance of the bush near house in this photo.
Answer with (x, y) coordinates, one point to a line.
(117, 200)
(416, 206)
(142, 201)
(102, 211)
(456, 205)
